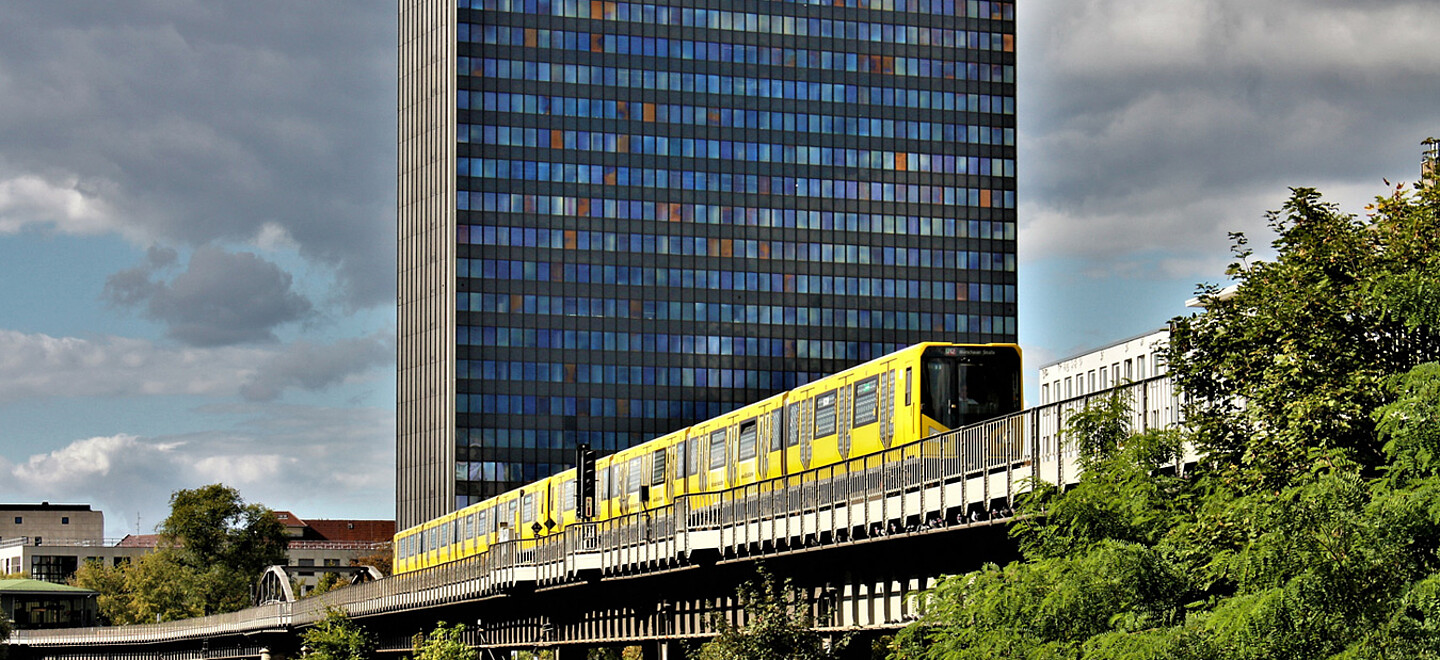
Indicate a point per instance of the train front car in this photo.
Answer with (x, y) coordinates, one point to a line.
(962, 385)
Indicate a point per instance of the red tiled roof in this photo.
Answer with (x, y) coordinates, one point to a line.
(289, 519)
(353, 530)
(139, 541)
(362, 531)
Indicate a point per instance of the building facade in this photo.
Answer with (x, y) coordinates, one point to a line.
(55, 521)
(618, 218)
(1127, 360)
(50, 541)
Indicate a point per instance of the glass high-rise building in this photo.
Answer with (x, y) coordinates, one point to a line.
(618, 218)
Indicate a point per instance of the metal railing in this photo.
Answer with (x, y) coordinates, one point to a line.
(58, 542)
(958, 478)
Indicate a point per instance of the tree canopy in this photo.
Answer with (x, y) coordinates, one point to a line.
(778, 625)
(212, 546)
(1310, 527)
(444, 643)
(337, 637)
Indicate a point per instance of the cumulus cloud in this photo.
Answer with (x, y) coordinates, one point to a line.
(190, 124)
(223, 298)
(1148, 130)
(38, 366)
(309, 366)
(316, 461)
(66, 206)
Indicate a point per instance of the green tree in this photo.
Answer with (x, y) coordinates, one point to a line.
(382, 559)
(327, 583)
(778, 625)
(223, 543)
(1297, 359)
(444, 643)
(1308, 530)
(337, 637)
(212, 547)
(1091, 566)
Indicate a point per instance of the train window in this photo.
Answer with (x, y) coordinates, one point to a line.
(792, 425)
(777, 430)
(749, 432)
(907, 385)
(692, 451)
(485, 522)
(717, 449)
(633, 483)
(825, 414)
(470, 527)
(867, 400)
(528, 514)
(657, 467)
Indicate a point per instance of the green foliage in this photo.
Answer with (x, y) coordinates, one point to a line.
(778, 625)
(1126, 493)
(337, 637)
(1308, 341)
(212, 548)
(1048, 608)
(444, 643)
(382, 559)
(327, 583)
(1310, 528)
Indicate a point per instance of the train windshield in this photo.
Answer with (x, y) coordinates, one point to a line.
(963, 385)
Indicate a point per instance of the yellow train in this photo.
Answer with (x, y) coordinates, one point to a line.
(911, 394)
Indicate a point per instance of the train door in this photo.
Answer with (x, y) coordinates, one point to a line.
(565, 510)
(772, 443)
(694, 481)
(634, 474)
(889, 403)
(485, 524)
(747, 452)
(550, 511)
(717, 459)
(507, 520)
(868, 404)
(468, 535)
(824, 431)
(797, 454)
(529, 503)
(677, 467)
(604, 510)
(658, 478)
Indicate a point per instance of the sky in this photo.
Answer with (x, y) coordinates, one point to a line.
(197, 208)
